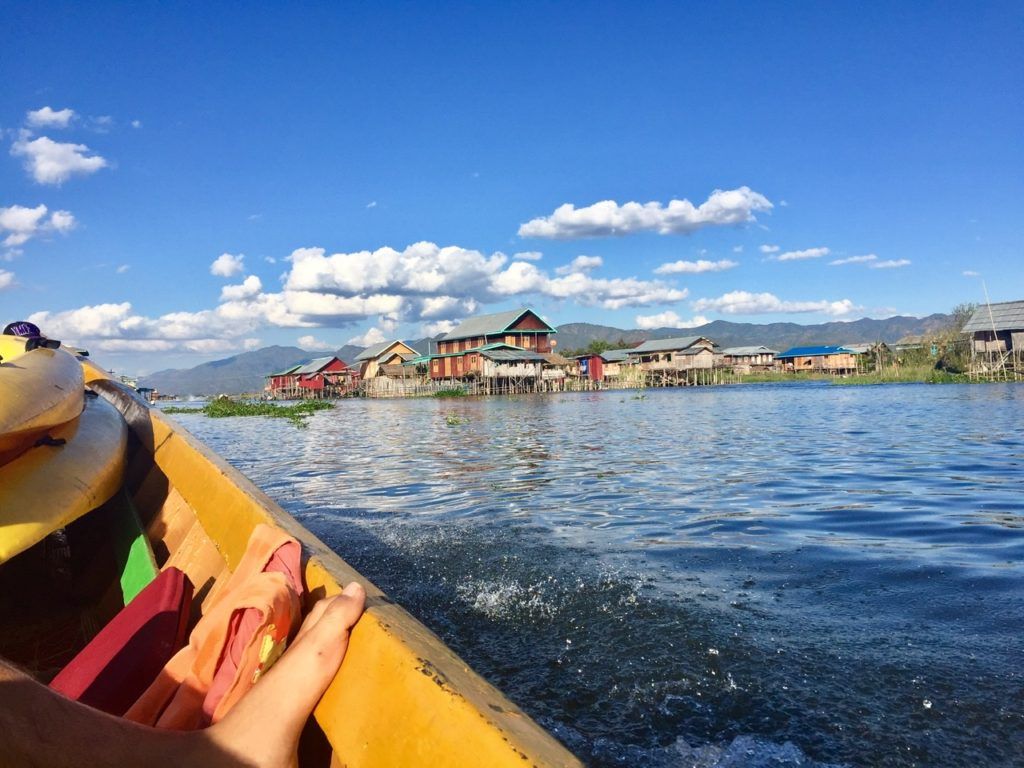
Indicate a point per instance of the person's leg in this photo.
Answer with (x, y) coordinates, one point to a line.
(39, 727)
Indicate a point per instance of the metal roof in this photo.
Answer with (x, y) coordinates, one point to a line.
(1005, 316)
(486, 325)
(814, 351)
(287, 371)
(667, 345)
(512, 354)
(377, 349)
(739, 351)
(314, 366)
(615, 355)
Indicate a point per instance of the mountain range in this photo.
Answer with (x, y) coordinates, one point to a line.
(245, 372)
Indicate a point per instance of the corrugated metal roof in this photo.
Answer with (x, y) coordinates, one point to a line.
(1006, 316)
(511, 354)
(666, 345)
(813, 351)
(287, 371)
(484, 325)
(615, 355)
(740, 351)
(377, 349)
(314, 366)
(553, 358)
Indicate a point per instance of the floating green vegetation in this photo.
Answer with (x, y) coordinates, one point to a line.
(222, 408)
(453, 421)
(454, 392)
(923, 374)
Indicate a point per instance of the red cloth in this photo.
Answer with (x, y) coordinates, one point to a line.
(114, 669)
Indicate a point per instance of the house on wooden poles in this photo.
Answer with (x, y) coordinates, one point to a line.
(997, 340)
(391, 369)
(748, 359)
(496, 354)
(824, 359)
(610, 368)
(324, 378)
(669, 362)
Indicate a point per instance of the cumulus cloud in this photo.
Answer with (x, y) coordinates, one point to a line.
(22, 224)
(123, 268)
(695, 267)
(528, 255)
(971, 273)
(746, 303)
(669, 320)
(311, 342)
(890, 264)
(228, 265)
(854, 260)
(368, 339)
(737, 249)
(136, 123)
(441, 326)
(580, 264)
(52, 162)
(249, 288)
(6, 279)
(608, 218)
(48, 117)
(611, 293)
(768, 248)
(807, 253)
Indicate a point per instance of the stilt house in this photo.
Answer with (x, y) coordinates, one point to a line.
(506, 348)
(680, 354)
(997, 331)
(826, 359)
(747, 359)
(372, 360)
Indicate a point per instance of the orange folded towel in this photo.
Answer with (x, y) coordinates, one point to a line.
(237, 640)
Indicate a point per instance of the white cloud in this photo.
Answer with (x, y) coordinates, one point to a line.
(6, 279)
(971, 273)
(521, 277)
(695, 267)
(136, 123)
(372, 204)
(854, 260)
(669, 320)
(251, 344)
(311, 342)
(580, 264)
(50, 118)
(746, 303)
(528, 255)
(52, 162)
(101, 124)
(608, 218)
(123, 268)
(737, 249)
(22, 224)
(441, 326)
(249, 288)
(368, 339)
(228, 265)
(807, 253)
(890, 264)
(768, 248)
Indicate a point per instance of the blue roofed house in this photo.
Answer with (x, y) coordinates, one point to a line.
(822, 359)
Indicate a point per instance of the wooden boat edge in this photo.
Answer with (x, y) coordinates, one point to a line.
(402, 696)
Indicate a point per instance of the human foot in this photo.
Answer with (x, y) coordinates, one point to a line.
(263, 728)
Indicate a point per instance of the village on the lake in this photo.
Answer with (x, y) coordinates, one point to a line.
(514, 352)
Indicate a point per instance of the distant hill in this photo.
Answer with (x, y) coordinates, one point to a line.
(241, 373)
(246, 372)
(779, 336)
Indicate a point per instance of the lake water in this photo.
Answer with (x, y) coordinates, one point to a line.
(759, 575)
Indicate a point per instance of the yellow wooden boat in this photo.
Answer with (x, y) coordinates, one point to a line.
(401, 698)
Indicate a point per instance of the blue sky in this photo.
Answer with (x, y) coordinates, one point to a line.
(181, 183)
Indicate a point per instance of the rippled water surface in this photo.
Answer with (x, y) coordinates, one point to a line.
(740, 576)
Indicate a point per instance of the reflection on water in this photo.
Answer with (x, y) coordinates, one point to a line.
(759, 575)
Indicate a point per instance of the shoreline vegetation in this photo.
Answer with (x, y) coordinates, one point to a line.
(904, 374)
